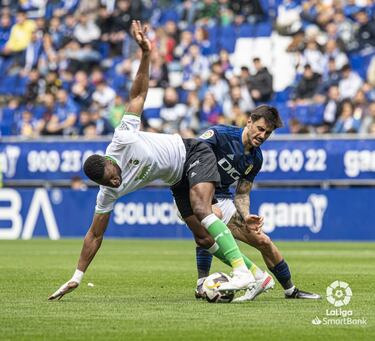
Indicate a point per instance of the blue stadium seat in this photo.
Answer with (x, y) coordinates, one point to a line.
(263, 29)
(227, 38)
(151, 113)
(169, 14)
(246, 30)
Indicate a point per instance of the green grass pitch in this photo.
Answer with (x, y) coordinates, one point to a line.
(143, 290)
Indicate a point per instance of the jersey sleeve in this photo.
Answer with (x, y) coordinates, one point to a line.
(105, 201)
(209, 137)
(127, 131)
(129, 122)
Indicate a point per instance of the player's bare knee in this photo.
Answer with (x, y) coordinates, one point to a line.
(202, 212)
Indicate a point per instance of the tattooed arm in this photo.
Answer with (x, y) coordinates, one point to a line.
(242, 203)
(242, 197)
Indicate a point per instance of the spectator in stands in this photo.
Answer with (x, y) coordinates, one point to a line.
(211, 111)
(173, 114)
(159, 77)
(116, 111)
(288, 19)
(104, 95)
(312, 56)
(83, 122)
(20, 35)
(331, 108)
(102, 125)
(64, 116)
(208, 12)
(368, 123)
(52, 83)
(54, 30)
(330, 77)
(33, 52)
(296, 127)
(27, 126)
(345, 30)
(239, 97)
(5, 28)
(67, 29)
(365, 35)
(307, 86)
(77, 184)
(260, 83)
(226, 66)
(251, 10)
(333, 52)
(360, 105)
(81, 90)
(350, 82)
(202, 41)
(186, 40)
(218, 87)
(48, 104)
(86, 31)
(238, 118)
(346, 122)
(188, 10)
(34, 86)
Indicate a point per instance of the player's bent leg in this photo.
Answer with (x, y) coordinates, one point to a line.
(275, 262)
(201, 196)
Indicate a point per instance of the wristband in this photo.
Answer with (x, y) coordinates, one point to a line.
(77, 277)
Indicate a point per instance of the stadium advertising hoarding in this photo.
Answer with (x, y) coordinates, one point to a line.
(284, 160)
(290, 214)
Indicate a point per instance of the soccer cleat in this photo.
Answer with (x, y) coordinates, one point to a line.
(303, 294)
(199, 292)
(239, 281)
(262, 285)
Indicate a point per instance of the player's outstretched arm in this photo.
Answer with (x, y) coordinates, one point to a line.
(91, 245)
(138, 91)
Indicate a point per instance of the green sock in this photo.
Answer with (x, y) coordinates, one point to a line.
(223, 237)
(257, 272)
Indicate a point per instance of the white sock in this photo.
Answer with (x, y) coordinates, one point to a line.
(289, 291)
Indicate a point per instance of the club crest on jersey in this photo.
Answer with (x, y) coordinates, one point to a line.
(207, 134)
(133, 162)
(248, 170)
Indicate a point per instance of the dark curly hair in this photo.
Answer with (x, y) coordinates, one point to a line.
(94, 167)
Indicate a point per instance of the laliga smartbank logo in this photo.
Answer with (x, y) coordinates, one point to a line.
(339, 295)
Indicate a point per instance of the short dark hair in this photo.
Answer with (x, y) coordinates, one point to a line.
(94, 167)
(270, 115)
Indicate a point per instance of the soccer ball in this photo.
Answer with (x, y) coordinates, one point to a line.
(212, 283)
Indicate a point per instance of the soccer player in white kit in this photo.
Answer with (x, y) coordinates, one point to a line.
(134, 158)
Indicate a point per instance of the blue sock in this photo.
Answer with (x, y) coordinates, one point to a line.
(283, 275)
(204, 260)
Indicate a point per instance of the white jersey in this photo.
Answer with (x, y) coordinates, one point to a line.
(143, 157)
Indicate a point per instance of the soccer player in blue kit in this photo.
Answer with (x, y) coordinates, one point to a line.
(239, 159)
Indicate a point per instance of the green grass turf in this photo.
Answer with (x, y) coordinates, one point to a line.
(144, 291)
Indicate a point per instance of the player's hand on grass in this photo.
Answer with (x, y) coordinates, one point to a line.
(64, 289)
(140, 35)
(254, 223)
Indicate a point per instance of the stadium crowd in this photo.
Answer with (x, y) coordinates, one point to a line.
(66, 66)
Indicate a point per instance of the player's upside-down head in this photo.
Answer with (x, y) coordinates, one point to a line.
(103, 170)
